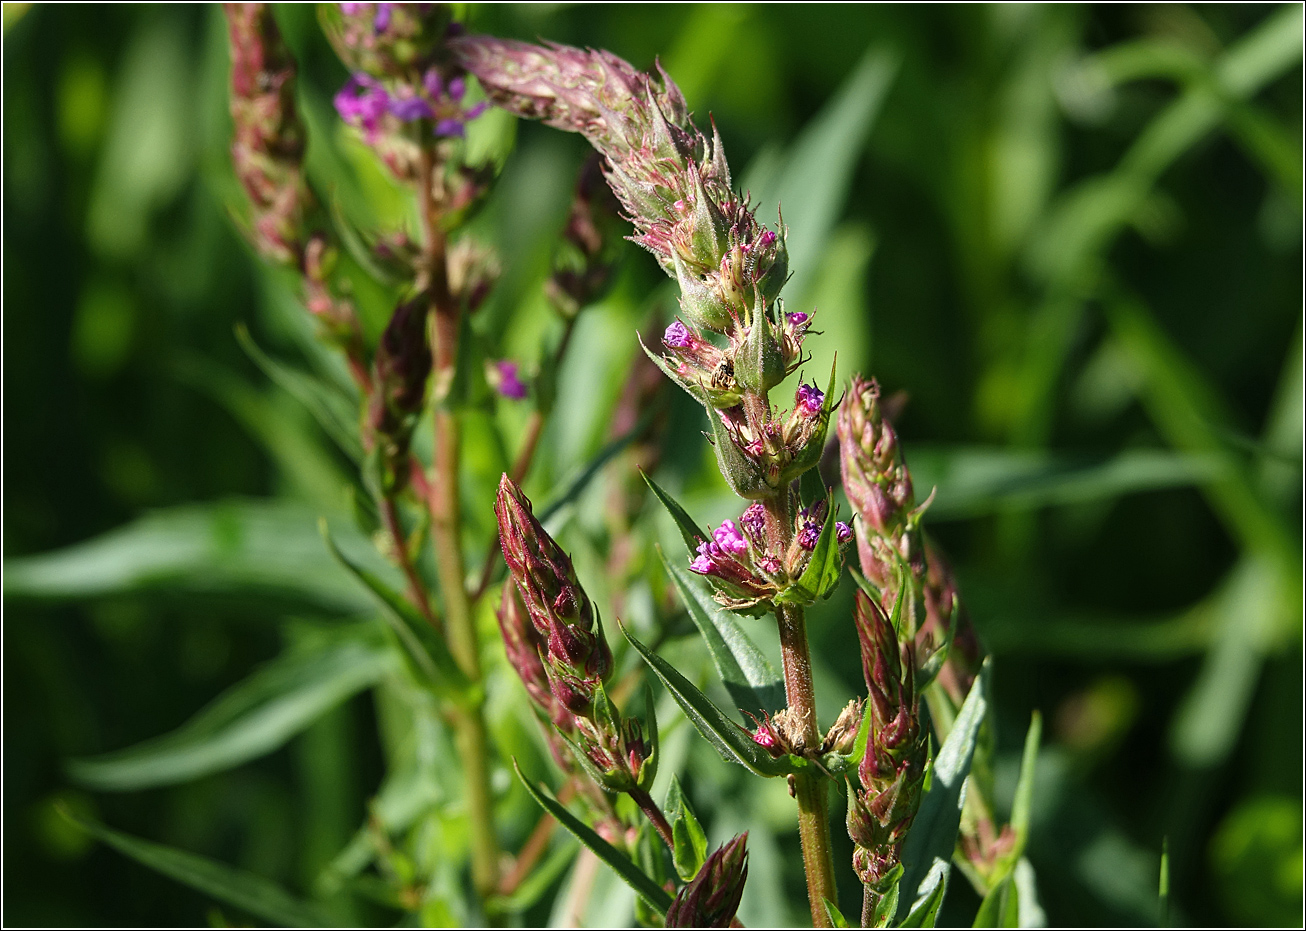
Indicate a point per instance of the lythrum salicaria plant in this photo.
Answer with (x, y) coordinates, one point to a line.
(910, 758)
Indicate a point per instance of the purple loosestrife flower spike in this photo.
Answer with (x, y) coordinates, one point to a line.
(268, 148)
(524, 646)
(577, 653)
(712, 897)
(892, 772)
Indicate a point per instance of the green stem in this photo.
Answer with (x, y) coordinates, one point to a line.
(810, 788)
(446, 524)
(654, 813)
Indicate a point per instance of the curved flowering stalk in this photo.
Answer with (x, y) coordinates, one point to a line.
(891, 774)
(267, 152)
(901, 562)
(732, 344)
(619, 753)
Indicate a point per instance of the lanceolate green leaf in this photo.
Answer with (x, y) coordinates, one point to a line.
(621, 864)
(251, 719)
(246, 891)
(690, 840)
(925, 912)
(690, 532)
(423, 646)
(1001, 907)
(748, 676)
(335, 413)
(234, 546)
(836, 917)
(927, 854)
(728, 738)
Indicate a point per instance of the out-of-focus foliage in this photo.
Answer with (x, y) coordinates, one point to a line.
(1072, 235)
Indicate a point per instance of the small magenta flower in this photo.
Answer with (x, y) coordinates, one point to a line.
(797, 319)
(505, 379)
(808, 536)
(361, 103)
(753, 520)
(809, 399)
(411, 108)
(727, 537)
(843, 532)
(677, 336)
(383, 13)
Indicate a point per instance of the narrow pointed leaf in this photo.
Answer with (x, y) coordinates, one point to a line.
(1024, 799)
(748, 676)
(927, 854)
(690, 840)
(425, 649)
(335, 413)
(690, 532)
(1000, 908)
(246, 891)
(883, 911)
(834, 915)
(221, 547)
(249, 720)
(729, 739)
(636, 878)
(925, 910)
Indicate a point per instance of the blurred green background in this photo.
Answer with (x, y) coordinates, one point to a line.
(1071, 234)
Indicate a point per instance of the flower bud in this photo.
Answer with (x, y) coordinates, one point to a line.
(400, 371)
(711, 898)
(268, 146)
(555, 601)
(523, 645)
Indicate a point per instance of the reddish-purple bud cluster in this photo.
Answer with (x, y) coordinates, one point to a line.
(712, 897)
(574, 654)
(892, 771)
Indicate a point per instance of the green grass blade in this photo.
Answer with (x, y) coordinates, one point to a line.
(247, 721)
(425, 648)
(729, 739)
(636, 878)
(814, 180)
(233, 546)
(246, 891)
(927, 854)
(748, 676)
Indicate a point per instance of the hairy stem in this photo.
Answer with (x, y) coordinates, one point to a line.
(650, 808)
(416, 589)
(810, 789)
(446, 524)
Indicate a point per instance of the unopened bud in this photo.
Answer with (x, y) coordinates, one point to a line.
(711, 898)
(554, 599)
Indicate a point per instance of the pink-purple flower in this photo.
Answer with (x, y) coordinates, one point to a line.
(508, 382)
(677, 336)
(362, 102)
(809, 399)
